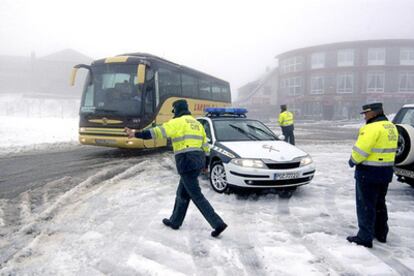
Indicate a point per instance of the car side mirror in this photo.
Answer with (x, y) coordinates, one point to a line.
(281, 137)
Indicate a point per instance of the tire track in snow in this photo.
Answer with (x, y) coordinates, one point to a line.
(379, 250)
(18, 240)
(204, 247)
(153, 241)
(325, 260)
(246, 247)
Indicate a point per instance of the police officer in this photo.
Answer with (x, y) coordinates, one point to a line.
(189, 144)
(373, 154)
(286, 123)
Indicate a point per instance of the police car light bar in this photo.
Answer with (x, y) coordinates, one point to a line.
(223, 111)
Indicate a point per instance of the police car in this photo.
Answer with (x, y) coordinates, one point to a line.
(404, 159)
(245, 153)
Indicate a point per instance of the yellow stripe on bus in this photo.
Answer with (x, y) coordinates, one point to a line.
(105, 121)
(116, 59)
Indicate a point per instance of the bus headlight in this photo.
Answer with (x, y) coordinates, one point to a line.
(306, 161)
(251, 163)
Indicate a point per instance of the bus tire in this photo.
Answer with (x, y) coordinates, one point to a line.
(405, 149)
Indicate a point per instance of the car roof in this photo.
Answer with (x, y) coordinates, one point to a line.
(408, 105)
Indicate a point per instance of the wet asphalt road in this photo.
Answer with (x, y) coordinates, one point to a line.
(33, 169)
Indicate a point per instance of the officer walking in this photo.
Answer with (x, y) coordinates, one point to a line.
(373, 154)
(286, 123)
(189, 144)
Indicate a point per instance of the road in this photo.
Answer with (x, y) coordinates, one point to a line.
(100, 209)
(29, 171)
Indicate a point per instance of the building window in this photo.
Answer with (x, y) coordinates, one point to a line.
(376, 56)
(406, 81)
(346, 57)
(293, 64)
(293, 86)
(407, 56)
(318, 60)
(317, 85)
(345, 83)
(375, 82)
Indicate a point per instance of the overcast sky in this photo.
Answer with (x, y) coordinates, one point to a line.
(233, 40)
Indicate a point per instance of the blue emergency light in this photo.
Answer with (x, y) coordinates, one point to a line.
(226, 111)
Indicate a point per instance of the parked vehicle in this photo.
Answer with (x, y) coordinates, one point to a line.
(247, 154)
(404, 160)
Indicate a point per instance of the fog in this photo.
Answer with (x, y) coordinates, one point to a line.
(234, 40)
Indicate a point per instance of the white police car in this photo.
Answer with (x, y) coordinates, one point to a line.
(245, 153)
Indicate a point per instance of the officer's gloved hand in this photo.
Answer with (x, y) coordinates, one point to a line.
(351, 164)
(139, 134)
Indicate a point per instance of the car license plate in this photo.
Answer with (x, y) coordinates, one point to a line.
(284, 176)
(105, 142)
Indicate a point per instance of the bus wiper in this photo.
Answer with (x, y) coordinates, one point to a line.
(261, 130)
(106, 110)
(244, 132)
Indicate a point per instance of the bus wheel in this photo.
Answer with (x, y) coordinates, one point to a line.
(218, 178)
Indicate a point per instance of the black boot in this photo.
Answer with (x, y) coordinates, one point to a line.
(357, 240)
(218, 230)
(382, 239)
(168, 223)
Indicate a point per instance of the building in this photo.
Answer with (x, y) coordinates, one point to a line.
(332, 81)
(260, 96)
(48, 75)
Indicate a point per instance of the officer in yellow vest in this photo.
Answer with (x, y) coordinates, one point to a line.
(189, 144)
(286, 123)
(373, 154)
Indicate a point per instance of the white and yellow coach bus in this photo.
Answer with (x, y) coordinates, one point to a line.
(137, 90)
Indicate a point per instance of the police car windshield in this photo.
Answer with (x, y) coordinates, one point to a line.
(242, 130)
(405, 116)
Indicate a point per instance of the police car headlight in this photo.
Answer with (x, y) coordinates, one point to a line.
(251, 163)
(305, 161)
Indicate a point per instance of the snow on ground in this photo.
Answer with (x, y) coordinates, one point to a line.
(110, 224)
(114, 227)
(36, 123)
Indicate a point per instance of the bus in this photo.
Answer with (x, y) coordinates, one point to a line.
(136, 90)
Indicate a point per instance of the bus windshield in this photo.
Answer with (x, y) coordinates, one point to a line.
(112, 89)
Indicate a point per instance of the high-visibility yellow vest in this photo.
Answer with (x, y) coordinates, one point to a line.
(376, 144)
(285, 118)
(186, 134)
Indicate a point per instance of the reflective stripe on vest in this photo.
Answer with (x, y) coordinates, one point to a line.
(182, 138)
(384, 150)
(360, 151)
(378, 164)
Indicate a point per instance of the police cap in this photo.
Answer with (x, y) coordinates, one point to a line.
(371, 107)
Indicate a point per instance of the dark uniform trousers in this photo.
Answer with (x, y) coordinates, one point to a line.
(287, 131)
(189, 188)
(189, 165)
(371, 209)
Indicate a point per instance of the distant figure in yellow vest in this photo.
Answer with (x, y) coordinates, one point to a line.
(286, 123)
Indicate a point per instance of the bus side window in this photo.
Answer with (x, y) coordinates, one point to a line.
(189, 86)
(215, 89)
(204, 89)
(169, 83)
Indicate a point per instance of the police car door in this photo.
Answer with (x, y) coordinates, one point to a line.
(207, 128)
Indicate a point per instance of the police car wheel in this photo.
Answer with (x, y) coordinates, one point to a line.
(218, 178)
(405, 148)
